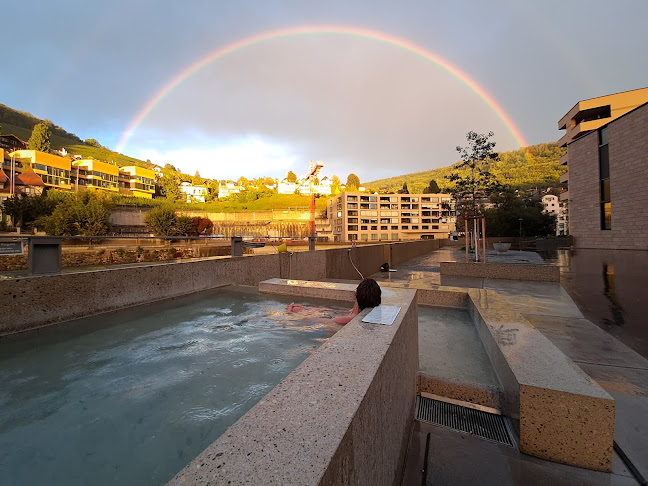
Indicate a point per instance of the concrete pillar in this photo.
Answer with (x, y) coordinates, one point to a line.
(237, 246)
(44, 256)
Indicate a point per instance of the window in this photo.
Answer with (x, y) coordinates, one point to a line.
(364, 237)
(353, 237)
(394, 227)
(352, 227)
(374, 236)
(394, 236)
(604, 176)
(383, 228)
(363, 228)
(384, 236)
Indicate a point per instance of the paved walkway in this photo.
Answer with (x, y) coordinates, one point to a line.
(622, 372)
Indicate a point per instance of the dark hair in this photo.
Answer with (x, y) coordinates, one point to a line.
(368, 294)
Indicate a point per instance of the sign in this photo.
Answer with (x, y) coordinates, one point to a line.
(11, 248)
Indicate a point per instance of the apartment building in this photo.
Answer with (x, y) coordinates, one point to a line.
(55, 171)
(590, 115)
(552, 205)
(93, 174)
(194, 192)
(357, 216)
(608, 183)
(136, 181)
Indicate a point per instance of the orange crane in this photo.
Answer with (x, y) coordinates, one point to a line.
(313, 169)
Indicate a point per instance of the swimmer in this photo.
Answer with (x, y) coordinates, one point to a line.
(367, 294)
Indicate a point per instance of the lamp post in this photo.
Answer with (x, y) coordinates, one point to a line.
(520, 220)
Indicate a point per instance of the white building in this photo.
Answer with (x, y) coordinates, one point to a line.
(194, 193)
(228, 188)
(552, 205)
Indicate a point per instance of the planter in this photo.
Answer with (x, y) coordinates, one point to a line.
(501, 247)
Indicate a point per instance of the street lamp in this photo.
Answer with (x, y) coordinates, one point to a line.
(520, 220)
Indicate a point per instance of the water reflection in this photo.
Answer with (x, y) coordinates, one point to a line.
(609, 287)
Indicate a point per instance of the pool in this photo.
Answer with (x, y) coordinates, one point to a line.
(131, 397)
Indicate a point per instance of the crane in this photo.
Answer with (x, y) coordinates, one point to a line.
(313, 169)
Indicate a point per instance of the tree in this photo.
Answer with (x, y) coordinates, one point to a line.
(504, 219)
(170, 187)
(291, 176)
(352, 183)
(161, 221)
(335, 184)
(24, 210)
(201, 226)
(183, 225)
(432, 188)
(86, 213)
(196, 179)
(40, 138)
(92, 142)
(476, 182)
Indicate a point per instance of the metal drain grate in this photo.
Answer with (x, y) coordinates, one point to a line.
(486, 425)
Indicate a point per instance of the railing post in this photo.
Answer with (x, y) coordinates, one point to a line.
(311, 243)
(44, 256)
(237, 246)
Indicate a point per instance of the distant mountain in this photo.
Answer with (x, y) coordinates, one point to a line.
(533, 166)
(21, 124)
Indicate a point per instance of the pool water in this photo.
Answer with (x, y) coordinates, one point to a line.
(131, 397)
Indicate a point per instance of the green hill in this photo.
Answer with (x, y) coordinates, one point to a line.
(533, 166)
(21, 124)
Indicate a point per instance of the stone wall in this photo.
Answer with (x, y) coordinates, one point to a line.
(628, 149)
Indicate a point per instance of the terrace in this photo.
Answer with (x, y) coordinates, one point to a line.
(351, 412)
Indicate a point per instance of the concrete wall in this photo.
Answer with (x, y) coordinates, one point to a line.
(32, 302)
(342, 417)
(508, 271)
(628, 149)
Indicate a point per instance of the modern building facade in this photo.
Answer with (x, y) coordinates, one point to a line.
(607, 184)
(93, 174)
(136, 181)
(358, 216)
(55, 171)
(589, 115)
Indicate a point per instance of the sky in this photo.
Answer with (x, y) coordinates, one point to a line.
(257, 88)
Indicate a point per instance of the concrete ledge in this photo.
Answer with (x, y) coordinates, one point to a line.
(342, 417)
(508, 271)
(487, 396)
(305, 288)
(561, 414)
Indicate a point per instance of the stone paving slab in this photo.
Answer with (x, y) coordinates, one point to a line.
(586, 343)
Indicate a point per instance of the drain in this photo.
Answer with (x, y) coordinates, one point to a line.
(486, 425)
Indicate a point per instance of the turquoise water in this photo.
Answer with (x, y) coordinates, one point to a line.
(131, 397)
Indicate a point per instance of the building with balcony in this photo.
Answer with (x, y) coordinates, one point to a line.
(136, 181)
(607, 185)
(93, 174)
(357, 216)
(589, 115)
(55, 171)
(11, 143)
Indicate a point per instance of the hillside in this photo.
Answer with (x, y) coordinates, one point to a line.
(21, 124)
(533, 166)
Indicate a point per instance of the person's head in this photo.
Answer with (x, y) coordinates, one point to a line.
(368, 294)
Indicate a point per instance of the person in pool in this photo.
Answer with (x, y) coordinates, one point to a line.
(367, 294)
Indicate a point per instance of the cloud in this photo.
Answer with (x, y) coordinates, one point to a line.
(251, 156)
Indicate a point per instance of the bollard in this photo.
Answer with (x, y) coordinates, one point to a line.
(237, 246)
(311, 243)
(44, 256)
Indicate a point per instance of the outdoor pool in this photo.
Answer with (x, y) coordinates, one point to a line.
(131, 397)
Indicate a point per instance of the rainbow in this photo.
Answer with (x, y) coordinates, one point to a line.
(323, 29)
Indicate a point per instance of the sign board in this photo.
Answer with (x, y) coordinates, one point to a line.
(11, 248)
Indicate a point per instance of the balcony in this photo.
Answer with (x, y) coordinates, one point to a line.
(564, 196)
(563, 160)
(564, 177)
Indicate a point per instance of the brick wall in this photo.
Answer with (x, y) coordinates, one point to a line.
(628, 146)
